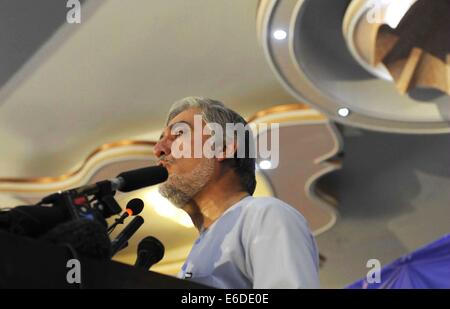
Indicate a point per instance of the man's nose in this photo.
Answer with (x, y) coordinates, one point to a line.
(162, 148)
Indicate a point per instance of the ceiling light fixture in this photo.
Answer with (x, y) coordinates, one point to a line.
(343, 112)
(265, 165)
(279, 34)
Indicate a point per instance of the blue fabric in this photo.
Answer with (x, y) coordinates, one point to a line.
(426, 268)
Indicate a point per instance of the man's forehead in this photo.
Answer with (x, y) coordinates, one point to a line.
(185, 116)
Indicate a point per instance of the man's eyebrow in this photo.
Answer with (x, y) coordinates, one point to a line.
(171, 126)
(178, 122)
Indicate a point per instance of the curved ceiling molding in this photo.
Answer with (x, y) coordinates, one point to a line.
(309, 149)
(275, 111)
(317, 50)
(103, 155)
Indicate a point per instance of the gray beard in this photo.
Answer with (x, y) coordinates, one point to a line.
(180, 189)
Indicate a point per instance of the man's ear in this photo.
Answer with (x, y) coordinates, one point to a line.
(229, 151)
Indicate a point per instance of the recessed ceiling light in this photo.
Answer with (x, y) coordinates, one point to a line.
(265, 165)
(343, 112)
(279, 34)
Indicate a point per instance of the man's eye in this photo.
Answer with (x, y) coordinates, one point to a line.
(178, 133)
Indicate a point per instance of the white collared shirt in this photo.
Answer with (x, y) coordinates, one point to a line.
(259, 242)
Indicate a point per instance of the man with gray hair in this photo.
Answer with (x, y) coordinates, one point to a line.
(244, 241)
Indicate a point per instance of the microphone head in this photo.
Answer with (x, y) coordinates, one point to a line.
(87, 237)
(135, 205)
(150, 251)
(33, 221)
(142, 177)
(128, 231)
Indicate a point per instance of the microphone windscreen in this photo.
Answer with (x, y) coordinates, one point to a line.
(142, 177)
(136, 205)
(34, 221)
(88, 237)
(150, 251)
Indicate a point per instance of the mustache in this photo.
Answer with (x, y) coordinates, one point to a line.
(166, 159)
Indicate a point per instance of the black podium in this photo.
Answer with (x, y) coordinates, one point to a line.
(28, 263)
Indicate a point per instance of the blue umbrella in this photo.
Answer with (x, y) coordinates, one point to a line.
(426, 268)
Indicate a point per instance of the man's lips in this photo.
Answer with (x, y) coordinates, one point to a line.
(164, 163)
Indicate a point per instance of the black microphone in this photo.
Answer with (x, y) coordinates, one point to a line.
(119, 243)
(150, 251)
(134, 207)
(141, 178)
(38, 219)
(86, 237)
(32, 220)
(124, 182)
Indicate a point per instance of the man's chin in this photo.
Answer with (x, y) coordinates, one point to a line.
(175, 196)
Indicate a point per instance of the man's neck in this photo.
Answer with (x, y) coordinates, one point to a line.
(209, 204)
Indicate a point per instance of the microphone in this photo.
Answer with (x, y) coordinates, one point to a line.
(86, 237)
(134, 207)
(121, 239)
(38, 219)
(150, 251)
(32, 220)
(141, 178)
(124, 182)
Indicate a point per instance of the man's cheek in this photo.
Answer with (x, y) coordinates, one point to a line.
(181, 148)
(177, 167)
(185, 166)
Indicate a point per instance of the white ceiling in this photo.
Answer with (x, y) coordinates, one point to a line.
(114, 76)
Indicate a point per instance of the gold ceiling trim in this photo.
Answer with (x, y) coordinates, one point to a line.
(284, 108)
(16, 187)
(102, 148)
(295, 118)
